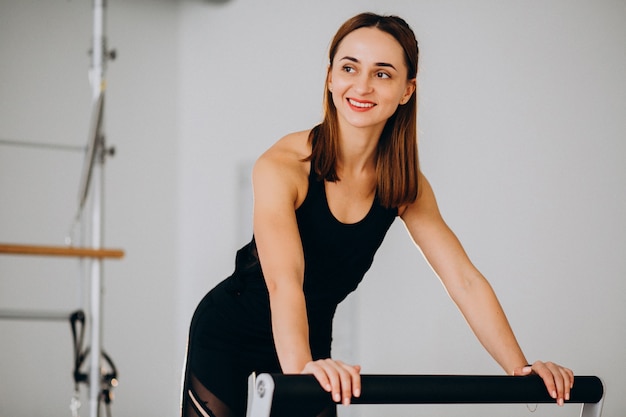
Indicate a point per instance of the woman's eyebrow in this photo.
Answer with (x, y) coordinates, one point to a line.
(378, 64)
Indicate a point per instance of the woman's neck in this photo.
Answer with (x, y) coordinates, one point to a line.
(357, 150)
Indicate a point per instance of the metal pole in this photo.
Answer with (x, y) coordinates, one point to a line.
(97, 84)
(97, 52)
(96, 293)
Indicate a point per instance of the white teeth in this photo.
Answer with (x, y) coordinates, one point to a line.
(361, 105)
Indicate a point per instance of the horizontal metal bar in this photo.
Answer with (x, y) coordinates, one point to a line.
(41, 145)
(288, 394)
(35, 315)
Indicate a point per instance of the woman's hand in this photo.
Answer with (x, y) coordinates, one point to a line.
(558, 379)
(343, 381)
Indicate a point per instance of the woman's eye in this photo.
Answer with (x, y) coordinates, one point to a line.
(348, 69)
(382, 75)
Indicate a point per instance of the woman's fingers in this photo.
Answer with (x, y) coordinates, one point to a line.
(319, 374)
(342, 380)
(558, 379)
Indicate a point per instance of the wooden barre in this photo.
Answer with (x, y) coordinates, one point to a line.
(69, 251)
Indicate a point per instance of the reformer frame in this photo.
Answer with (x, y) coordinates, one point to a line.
(280, 395)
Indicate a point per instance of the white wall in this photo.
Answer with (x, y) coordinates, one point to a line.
(521, 135)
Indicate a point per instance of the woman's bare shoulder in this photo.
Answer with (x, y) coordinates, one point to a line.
(284, 163)
(289, 152)
(292, 145)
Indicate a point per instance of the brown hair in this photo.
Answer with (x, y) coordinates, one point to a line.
(396, 161)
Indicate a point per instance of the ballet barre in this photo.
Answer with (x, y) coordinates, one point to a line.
(283, 395)
(70, 251)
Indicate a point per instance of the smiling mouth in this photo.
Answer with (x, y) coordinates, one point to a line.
(360, 104)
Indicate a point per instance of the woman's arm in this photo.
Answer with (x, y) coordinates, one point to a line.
(472, 293)
(278, 189)
(282, 259)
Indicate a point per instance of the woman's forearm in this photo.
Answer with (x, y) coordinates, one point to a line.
(483, 312)
(290, 327)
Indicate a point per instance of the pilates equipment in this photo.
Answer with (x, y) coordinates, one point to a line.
(286, 395)
(92, 176)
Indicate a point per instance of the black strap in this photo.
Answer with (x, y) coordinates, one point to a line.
(77, 321)
(108, 380)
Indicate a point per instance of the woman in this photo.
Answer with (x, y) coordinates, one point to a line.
(323, 202)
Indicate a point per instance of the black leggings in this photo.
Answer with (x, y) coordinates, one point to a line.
(219, 361)
(199, 401)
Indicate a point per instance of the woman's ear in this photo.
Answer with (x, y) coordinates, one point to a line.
(408, 92)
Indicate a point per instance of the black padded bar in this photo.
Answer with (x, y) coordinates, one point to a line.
(278, 395)
(440, 389)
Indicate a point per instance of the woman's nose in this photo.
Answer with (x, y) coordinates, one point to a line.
(364, 84)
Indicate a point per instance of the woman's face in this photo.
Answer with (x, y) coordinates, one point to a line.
(368, 78)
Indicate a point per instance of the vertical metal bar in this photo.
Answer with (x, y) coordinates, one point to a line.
(96, 293)
(97, 84)
(97, 49)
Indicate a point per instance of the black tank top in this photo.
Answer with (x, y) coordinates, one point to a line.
(336, 256)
